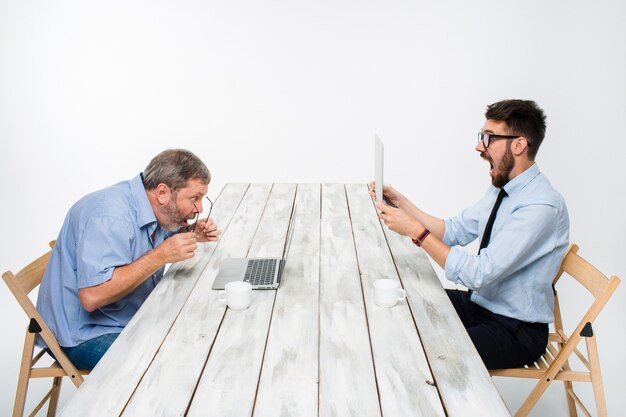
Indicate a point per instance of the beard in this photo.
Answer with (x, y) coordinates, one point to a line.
(175, 219)
(504, 168)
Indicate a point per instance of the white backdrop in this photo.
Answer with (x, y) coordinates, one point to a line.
(294, 91)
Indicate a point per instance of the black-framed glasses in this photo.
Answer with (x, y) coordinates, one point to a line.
(487, 138)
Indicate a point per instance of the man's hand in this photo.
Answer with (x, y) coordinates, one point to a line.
(179, 247)
(400, 221)
(388, 192)
(207, 231)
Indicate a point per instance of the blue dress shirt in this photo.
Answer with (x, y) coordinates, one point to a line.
(106, 229)
(513, 275)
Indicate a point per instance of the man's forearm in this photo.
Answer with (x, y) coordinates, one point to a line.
(124, 280)
(431, 243)
(432, 223)
(436, 249)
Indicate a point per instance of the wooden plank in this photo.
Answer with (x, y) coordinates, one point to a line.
(402, 371)
(109, 386)
(229, 382)
(288, 381)
(347, 382)
(169, 383)
(463, 381)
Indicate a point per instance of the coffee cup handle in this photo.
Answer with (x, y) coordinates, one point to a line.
(221, 296)
(401, 294)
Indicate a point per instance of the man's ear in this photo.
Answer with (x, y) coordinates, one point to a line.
(520, 145)
(163, 194)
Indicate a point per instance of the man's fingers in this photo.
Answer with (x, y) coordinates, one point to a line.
(188, 251)
(186, 245)
(186, 236)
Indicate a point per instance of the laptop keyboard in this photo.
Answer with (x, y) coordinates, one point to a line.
(260, 271)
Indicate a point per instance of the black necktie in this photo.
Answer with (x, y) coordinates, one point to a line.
(492, 217)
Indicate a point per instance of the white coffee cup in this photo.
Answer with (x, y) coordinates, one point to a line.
(237, 295)
(387, 292)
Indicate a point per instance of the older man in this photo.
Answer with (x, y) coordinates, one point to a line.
(112, 250)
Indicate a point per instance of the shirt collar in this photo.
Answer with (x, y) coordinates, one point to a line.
(522, 179)
(145, 213)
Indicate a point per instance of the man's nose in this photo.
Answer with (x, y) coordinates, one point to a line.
(480, 147)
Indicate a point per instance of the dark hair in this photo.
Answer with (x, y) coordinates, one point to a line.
(522, 117)
(174, 167)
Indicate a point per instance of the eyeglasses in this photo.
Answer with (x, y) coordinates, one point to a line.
(198, 212)
(210, 208)
(193, 229)
(486, 138)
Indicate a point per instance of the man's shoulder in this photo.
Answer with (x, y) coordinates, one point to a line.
(541, 191)
(115, 200)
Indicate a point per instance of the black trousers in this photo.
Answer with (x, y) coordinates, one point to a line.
(501, 341)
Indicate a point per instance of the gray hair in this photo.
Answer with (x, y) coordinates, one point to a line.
(174, 167)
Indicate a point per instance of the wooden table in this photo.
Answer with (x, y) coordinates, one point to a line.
(316, 346)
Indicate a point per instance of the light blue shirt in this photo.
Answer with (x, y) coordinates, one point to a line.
(513, 275)
(104, 230)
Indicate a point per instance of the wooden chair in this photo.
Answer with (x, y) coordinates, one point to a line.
(21, 284)
(554, 364)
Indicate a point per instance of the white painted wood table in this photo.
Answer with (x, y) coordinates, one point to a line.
(317, 346)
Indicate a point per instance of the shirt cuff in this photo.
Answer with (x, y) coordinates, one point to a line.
(454, 263)
(98, 279)
(447, 232)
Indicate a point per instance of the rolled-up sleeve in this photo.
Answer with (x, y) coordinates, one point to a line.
(527, 235)
(462, 229)
(454, 264)
(106, 242)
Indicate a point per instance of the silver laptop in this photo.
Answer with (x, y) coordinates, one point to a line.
(378, 167)
(262, 273)
(379, 157)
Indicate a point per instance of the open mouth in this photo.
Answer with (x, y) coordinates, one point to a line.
(490, 161)
(186, 220)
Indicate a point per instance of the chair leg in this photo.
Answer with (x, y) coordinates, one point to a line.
(569, 387)
(24, 376)
(596, 376)
(54, 399)
(571, 404)
(532, 399)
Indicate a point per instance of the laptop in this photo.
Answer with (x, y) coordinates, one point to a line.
(262, 273)
(379, 156)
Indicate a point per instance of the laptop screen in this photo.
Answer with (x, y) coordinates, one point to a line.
(378, 167)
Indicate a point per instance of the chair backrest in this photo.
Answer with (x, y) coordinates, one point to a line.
(21, 284)
(26, 280)
(554, 363)
(594, 281)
